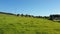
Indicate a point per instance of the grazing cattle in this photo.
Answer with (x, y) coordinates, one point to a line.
(55, 17)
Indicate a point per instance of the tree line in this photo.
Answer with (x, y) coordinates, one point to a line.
(33, 16)
(26, 15)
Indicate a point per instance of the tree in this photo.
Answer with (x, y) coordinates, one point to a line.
(22, 15)
(18, 14)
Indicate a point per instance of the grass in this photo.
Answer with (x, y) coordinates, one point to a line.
(10, 24)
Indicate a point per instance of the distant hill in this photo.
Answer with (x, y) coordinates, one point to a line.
(7, 13)
(10, 24)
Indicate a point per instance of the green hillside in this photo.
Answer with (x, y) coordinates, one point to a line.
(10, 24)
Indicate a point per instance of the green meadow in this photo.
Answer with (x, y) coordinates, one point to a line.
(10, 24)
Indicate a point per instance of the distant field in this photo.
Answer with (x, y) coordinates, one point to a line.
(10, 24)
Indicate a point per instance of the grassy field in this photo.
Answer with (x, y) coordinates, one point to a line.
(10, 24)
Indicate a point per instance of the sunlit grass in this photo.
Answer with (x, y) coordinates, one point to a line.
(10, 24)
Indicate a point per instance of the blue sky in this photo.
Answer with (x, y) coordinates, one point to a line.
(31, 7)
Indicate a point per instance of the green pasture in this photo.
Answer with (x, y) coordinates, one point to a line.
(10, 24)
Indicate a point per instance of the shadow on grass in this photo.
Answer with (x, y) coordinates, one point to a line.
(44, 33)
(1, 31)
(41, 32)
(38, 32)
(57, 29)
